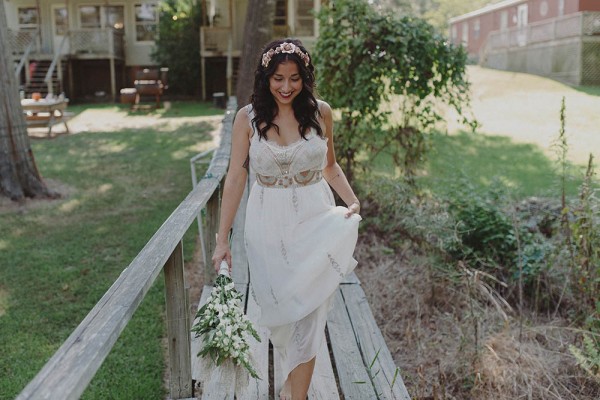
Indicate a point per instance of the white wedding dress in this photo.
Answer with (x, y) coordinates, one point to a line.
(299, 244)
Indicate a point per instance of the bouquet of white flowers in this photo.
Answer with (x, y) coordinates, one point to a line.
(225, 329)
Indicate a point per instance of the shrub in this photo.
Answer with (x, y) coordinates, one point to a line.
(178, 45)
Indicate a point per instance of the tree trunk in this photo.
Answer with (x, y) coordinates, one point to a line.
(258, 31)
(19, 176)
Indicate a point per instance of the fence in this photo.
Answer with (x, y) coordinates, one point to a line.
(565, 48)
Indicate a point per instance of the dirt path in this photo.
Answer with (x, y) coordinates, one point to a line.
(526, 108)
(115, 119)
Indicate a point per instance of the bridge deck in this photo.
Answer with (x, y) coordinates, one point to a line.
(355, 363)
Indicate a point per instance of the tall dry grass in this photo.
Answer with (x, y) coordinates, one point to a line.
(453, 337)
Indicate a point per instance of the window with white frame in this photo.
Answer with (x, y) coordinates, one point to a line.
(465, 33)
(504, 19)
(146, 21)
(561, 8)
(89, 17)
(280, 22)
(102, 16)
(28, 17)
(61, 23)
(305, 19)
(476, 28)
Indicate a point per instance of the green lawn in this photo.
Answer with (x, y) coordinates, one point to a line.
(482, 159)
(58, 257)
(169, 109)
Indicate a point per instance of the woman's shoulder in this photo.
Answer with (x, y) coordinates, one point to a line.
(324, 108)
(244, 113)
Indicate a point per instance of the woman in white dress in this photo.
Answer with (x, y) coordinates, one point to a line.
(299, 244)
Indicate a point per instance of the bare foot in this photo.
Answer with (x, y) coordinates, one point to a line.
(286, 390)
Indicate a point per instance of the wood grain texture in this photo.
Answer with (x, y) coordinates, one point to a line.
(258, 388)
(196, 342)
(351, 278)
(354, 380)
(323, 384)
(178, 326)
(372, 345)
(238, 248)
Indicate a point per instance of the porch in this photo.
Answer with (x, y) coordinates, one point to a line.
(80, 52)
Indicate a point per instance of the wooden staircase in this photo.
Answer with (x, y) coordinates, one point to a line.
(39, 70)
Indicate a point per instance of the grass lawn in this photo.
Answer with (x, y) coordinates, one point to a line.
(170, 109)
(483, 159)
(58, 257)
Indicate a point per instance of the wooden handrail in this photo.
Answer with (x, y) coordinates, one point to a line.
(55, 60)
(69, 371)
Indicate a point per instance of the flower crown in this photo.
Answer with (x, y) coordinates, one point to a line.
(285, 47)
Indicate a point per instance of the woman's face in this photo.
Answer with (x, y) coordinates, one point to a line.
(285, 84)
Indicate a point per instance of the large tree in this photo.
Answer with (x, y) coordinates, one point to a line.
(19, 176)
(258, 30)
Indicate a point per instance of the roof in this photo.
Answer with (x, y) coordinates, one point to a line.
(486, 9)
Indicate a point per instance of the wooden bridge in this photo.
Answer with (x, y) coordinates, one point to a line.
(355, 363)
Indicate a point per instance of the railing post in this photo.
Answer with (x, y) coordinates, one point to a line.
(178, 327)
(212, 227)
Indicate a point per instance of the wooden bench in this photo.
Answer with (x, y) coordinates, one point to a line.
(45, 113)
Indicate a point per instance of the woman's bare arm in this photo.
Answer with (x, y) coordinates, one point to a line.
(333, 172)
(234, 185)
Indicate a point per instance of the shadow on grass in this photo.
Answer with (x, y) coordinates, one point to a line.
(484, 160)
(168, 109)
(591, 90)
(523, 168)
(58, 258)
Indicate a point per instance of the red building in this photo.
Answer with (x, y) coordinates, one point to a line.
(523, 35)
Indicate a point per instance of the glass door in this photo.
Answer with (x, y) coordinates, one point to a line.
(60, 27)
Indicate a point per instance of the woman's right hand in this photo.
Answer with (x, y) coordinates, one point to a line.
(222, 252)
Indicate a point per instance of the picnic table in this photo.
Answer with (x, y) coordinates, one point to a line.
(45, 113)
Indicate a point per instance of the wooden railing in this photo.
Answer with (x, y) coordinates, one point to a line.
(69, 371)
(574, 25)
(56, 65)
(28, 49)
(106, 41)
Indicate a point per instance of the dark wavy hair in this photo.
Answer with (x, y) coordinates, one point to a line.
(305, 106)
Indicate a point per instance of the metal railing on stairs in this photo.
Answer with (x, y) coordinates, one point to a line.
(56, 61)
(33, 42)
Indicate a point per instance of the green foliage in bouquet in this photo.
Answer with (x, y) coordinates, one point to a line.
(224, 327)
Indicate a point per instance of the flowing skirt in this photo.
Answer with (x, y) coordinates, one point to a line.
(299, 247)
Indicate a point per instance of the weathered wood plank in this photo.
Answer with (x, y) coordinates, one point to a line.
(212, 227)
(258, 388)
(71, 368)
(373, 347)
(238, 249)
(322, 385)
(196, 343)
(354, 380)
(178, 326)
(351, 278)
(218, 385)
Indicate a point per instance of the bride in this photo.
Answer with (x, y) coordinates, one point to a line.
(299, 244)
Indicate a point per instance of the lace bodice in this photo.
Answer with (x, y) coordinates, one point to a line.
(271, 159)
